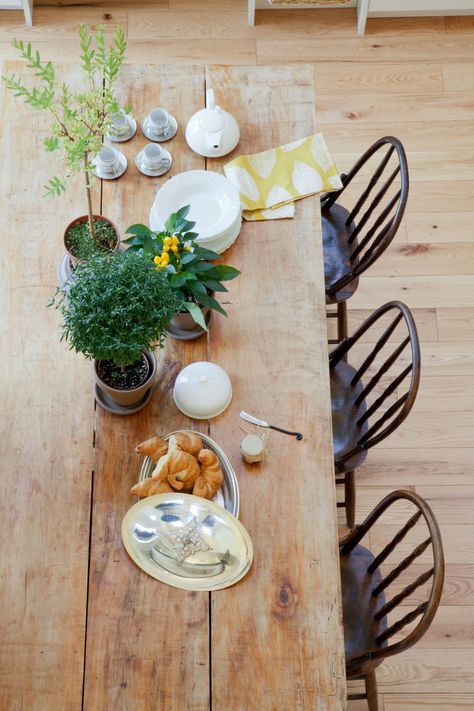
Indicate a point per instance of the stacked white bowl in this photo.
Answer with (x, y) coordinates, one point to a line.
(214, 207)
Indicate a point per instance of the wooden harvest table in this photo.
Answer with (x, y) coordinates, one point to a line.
(78, 617)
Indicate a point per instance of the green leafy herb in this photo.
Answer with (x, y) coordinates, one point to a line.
(117, 306)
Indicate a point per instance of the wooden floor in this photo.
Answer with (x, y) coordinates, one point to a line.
(414, 79)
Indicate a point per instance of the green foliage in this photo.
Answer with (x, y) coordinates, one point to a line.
(117, 306)
(79, 119)
(187, 266)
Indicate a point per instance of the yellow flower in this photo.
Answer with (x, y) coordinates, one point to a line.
(174, 240)
(167, 247)
(174, 248)
(165, 257)
(157, 259)
(167, 240)
(187, 248)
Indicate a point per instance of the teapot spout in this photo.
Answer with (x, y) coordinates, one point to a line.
(213, 140)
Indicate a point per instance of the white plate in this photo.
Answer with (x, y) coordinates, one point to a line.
(214, 201)
(224, 241)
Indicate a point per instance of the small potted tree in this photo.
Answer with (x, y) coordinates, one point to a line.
(189, 270)
(116, 312)
(79, 121)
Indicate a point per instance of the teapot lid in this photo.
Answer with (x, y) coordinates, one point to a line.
(211, 120)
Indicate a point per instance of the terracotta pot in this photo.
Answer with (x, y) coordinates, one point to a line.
(124, 401)
(85, 218)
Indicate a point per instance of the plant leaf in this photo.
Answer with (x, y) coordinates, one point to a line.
(183, 211)
(138, 230)
(226, 273)
(196, 313)
(214, 285)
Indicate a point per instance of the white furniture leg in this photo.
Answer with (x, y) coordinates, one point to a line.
(251, 12)
(27, 6)
(362, 10)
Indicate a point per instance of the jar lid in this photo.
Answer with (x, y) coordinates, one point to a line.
(202, 390)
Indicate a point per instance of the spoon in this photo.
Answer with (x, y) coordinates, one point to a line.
(262, 423)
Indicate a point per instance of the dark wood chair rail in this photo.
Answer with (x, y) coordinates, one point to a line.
(358, 426)
(366, 627)
(354, 239)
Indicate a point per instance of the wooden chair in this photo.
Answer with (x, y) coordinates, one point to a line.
(354, 239)
(367, 629)
(359, 419)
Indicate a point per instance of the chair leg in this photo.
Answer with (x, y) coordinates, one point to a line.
(371, 691)
(350, 498)
(341, 321)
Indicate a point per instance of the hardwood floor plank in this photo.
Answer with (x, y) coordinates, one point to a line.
(382, 109)
(366, 49)
(434, 227)
(444, 393)
(419, 291)
(430, 671)
(49, 24)
(180, 26)
(451, 504)
(455, 324)
(458, 77)
(400, 468)
(353, 79)
(425, 259)
(429, 702)
(415, 135)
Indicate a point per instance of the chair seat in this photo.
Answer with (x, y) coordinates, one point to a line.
(345, 430)
(359, 606)
(337, 251)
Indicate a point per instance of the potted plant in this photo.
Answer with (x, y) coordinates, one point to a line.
(79, 121)
(116, 313)
(189, 269)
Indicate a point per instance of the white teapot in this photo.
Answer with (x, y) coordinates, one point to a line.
(212, 132)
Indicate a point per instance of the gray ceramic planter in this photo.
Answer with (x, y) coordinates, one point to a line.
(184, 328)
(125, 402)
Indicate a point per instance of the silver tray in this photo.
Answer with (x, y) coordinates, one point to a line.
(228, 495)
(187, 541)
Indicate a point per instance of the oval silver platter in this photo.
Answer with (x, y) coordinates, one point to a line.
(228, 495)
(187, 542)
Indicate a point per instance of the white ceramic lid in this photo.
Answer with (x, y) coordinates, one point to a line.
(202, 390)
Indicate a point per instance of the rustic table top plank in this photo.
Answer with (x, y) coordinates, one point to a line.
(277, 635)
(147, 643)
(46, 424)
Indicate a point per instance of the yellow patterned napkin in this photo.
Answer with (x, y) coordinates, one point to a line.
(270, 182)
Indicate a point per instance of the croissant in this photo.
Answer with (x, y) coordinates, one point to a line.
(189, 442)
(181, 469)
(153, 448)
(148, 487)
(211, 476)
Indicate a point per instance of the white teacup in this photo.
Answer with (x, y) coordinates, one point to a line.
(159, 122)
(119, 125)
(108, 160)
(153, 156)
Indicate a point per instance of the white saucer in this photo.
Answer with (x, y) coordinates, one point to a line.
(166, 165)
(152, 136)
(122, 167)
(126, 136)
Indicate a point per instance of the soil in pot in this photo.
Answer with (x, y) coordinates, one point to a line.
(128, 377)
(78, 242)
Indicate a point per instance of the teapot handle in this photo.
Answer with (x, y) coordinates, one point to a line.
(210, 99)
